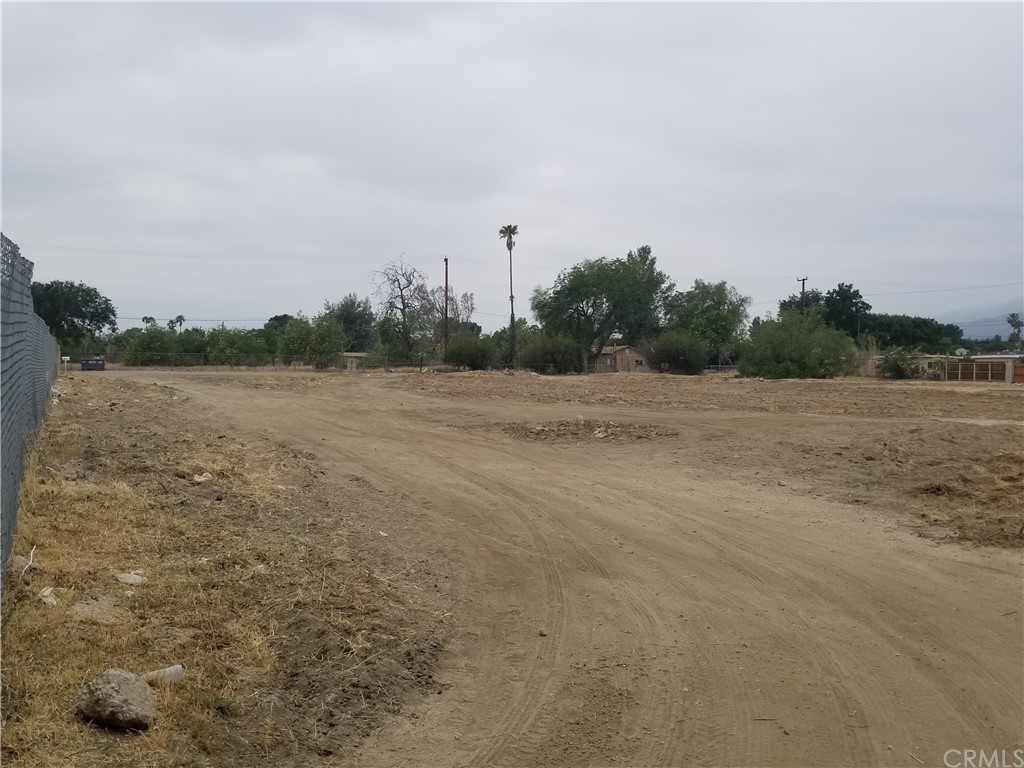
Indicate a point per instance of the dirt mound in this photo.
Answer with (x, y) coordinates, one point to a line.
(957, 481)
(583, 429)
(981, 498)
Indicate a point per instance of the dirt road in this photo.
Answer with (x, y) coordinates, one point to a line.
(621, 603)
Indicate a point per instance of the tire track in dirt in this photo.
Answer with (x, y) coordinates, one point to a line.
(528, 720)
(522, 714)
(527, 723)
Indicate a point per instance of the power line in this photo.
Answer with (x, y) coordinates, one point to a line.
(945, 290)
(245, 257)
(333, 258)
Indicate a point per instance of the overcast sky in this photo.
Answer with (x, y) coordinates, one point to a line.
(237, 161)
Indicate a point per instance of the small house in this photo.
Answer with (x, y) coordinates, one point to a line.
(621, 358)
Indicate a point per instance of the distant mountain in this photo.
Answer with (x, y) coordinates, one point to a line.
(984, 321)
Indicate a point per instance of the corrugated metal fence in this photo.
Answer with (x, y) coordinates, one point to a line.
(28, 366)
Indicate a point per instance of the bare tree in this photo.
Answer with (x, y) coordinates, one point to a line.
(402, 290)
(460, 307)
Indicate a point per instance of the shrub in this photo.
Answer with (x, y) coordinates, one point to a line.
(326, 341)
(900, 364)
(150, 347)
(679, 352)
(294, 342)
(465, 351)
(798, 345)
(551, 354)
(234, 346)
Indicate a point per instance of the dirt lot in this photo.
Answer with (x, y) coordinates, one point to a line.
(607, 570)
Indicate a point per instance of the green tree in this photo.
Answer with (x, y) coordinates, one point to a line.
(73, 312)
(123, 339)
(191, 341)
(1014, 321)
(905, 331)
(235, 346)
(357, 318)
(716, 313)
(552, 353)
(798, 345)
(294, 343)
(326, 341)
(679, 352)
(500, 338)
(643, 293)
(153, 345)
(845, 309)
(148, 320)
(597, 299)
(277, 323)
(472, 352)
(811, 298)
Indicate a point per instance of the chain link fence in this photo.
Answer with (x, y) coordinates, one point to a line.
(28, 367)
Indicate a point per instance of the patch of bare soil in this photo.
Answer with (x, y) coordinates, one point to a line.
(295, 640)
(852, 396)
(952, 462)
(283, 378)
(581, 429)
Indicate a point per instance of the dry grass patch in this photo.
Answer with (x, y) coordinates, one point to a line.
(580, 429)
(294, 647)
(853, 396)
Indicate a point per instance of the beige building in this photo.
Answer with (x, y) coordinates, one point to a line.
(619, 359)
(1005, 368)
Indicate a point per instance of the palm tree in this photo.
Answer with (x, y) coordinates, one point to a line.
(1014, 321)
(148, 320)
(507, 232)
(179, 321)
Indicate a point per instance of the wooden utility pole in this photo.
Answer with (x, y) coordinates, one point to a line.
(445, 306)
(803, 286)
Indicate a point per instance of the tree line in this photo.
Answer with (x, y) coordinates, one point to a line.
(591, 305)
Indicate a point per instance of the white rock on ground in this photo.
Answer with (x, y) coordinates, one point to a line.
(165, 676)
(133, 578)
(52, 595)
(117, 699)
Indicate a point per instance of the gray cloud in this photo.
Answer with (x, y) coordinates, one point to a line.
(878, 144)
